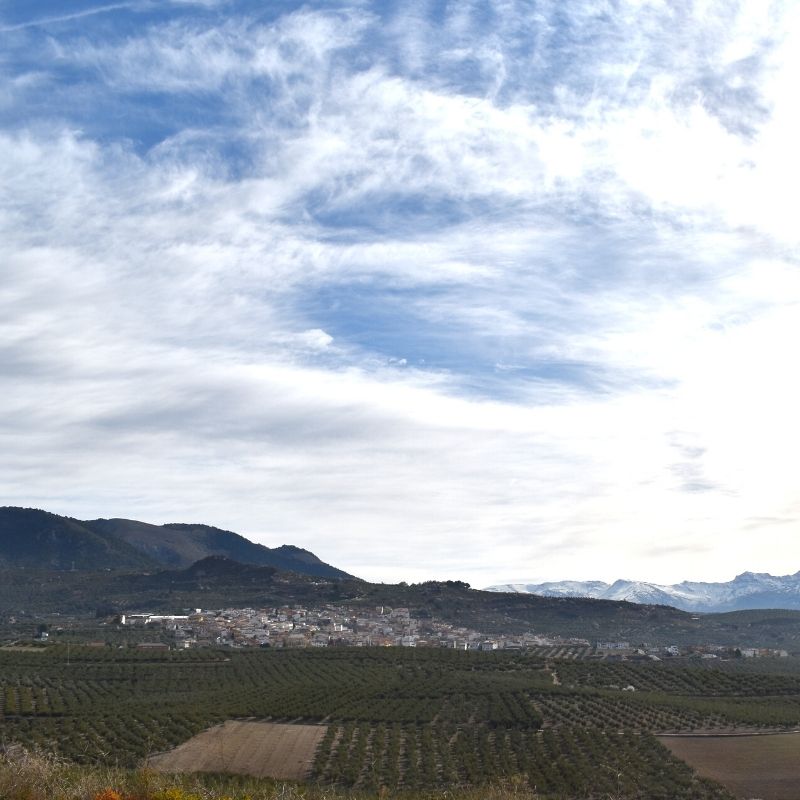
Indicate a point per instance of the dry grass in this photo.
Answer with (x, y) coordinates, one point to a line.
(767, 767)
(38, 776)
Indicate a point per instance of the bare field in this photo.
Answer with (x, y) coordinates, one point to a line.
(766, 767)
(262, 749)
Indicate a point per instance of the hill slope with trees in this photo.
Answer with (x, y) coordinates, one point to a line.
(32, 538)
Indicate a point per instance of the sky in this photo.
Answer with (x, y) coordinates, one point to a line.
(487, 291)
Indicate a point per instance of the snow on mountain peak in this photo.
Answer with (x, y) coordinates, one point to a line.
(747, 590)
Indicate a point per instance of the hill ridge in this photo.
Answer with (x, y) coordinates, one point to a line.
(34, 538)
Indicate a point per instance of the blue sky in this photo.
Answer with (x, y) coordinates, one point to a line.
(480, 290)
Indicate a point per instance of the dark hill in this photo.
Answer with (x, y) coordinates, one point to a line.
(30, 538)
(180, 545)
(34, 539)
(213, 582)
(213, 575)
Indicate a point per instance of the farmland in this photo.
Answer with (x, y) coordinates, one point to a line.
(262, 749)
(416, 719)
(750, 766)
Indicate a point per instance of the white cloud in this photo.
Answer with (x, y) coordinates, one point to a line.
(626, 247)
(184, 56)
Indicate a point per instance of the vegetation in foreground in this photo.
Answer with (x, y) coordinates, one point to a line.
(28, 775)
(37, 776)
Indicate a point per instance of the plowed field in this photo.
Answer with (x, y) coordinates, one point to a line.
(766, 767)
(262, 749)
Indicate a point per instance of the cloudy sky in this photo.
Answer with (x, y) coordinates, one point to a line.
(484, 290)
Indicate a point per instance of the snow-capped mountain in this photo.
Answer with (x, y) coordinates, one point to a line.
(748, 590)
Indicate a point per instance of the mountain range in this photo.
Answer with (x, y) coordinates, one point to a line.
(34, 539)
(51, 564)
(217, 582)
(750, 590)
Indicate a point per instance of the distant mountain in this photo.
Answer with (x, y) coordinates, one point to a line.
(750, 590)
(217, 582)
(32, 538)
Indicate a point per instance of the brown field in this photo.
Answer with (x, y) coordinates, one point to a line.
(766, 767)
(262, 749)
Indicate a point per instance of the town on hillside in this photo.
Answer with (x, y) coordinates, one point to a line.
(382, 626)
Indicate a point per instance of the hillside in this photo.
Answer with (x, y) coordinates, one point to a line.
(179, 545)
(213, 582)
(34, 539)
(217, 582)
(31, 538)
(588, 618)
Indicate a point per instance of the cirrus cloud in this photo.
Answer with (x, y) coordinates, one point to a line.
(494, 286)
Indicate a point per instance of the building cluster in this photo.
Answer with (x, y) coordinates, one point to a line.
(327, 626)
(762, 652)
(624, 651)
